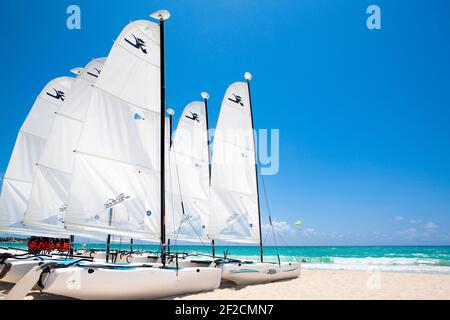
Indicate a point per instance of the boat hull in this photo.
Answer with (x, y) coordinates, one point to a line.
(14, 270)
(89, 283)
(254, 273)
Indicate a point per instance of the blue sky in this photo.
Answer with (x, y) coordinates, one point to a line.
(363, 114)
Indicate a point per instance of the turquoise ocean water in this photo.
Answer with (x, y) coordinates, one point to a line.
(424, 259)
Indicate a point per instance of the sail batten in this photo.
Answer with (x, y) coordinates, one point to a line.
(130, 103)
(115, 160)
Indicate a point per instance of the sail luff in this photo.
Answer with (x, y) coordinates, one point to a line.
(248, 76)
(162, 143)
(205, 97)
(207, 136)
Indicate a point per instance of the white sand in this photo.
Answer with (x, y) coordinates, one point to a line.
(327, 284)
(332, 285)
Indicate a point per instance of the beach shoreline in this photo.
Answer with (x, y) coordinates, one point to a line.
(323, 285)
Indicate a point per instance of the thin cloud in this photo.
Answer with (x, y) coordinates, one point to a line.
(309, 232)
(279, 226)
(408, 233)
(431, 226)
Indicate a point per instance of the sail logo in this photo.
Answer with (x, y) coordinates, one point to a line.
(59, 95)
(95, 75)
(233, 217)
(194, 116)
(139, 44)
(271, 271)
(119, 198)
(137, 116)
(237, 99)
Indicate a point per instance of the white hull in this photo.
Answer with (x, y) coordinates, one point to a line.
(129, 283)
(14, 270)
(254, 273)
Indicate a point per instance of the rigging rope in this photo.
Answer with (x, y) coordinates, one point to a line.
(270, 217)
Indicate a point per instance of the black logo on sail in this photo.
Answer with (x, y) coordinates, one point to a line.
(119, 198)
(59, 95)
(194, 116)
(139, 43)
(237, 99)
(95, 75)
(233, 217)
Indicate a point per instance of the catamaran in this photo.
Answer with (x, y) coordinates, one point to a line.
(118, 179)
(220, 200)
(234, 191)
(189, 172)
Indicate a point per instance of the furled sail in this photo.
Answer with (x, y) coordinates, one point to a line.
(234, 195)
(116, 176)
(189, 174)
(50, 192)
(18, 180)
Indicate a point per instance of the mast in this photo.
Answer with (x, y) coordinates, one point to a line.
(248, 77)
(162, 15)
(71, 242)
(205, 97)
(171, 112)
(108, 238)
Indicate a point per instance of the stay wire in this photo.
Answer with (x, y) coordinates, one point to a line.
(270, 217)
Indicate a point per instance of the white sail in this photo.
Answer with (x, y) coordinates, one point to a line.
(29, 145)
(50, 192)
(116, 176)
(189, 173)
(234, 195)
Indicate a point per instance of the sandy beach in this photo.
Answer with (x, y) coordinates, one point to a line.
(325, 284)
